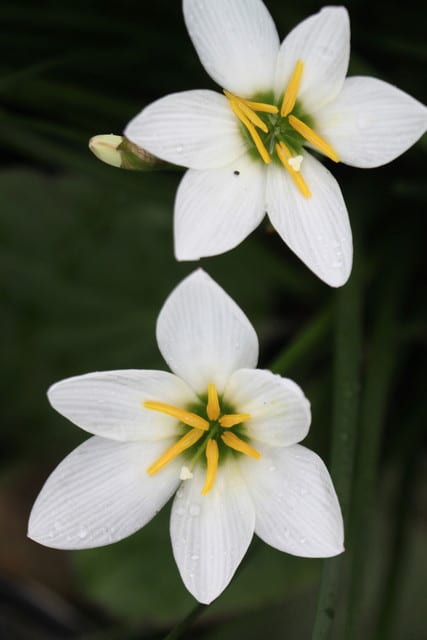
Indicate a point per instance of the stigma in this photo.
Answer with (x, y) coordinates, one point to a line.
(215, 429)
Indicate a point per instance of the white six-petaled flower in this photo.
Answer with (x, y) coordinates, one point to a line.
(218, 432)
(246, 149)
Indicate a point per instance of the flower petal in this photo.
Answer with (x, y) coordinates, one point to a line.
(194, 129)
(211, 533)
(101, 493)
(296, 506)
(371, 122)
(110, 403)
(203, 335)
(317, 229)
(322, 43)
(216, 209)
(236, 41)
(280, 413)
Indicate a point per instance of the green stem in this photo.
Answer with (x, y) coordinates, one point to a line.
(380, 373)
(346, 399)
(185, 624)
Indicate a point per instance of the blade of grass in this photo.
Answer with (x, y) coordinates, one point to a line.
(348, 344)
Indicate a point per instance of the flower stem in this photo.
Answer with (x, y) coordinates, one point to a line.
(348, 343)
(382, 360)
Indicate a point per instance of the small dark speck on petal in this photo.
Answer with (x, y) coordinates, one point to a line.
(237, 173)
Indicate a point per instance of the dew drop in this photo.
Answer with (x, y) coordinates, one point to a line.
(179, 148)
(179, 493)
(194, 510)
(57, 526)
(302, 540)
(272, 468)
(195, 557)
(180, 511)
(82, 533)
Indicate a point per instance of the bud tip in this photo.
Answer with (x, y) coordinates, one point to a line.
(104, 147)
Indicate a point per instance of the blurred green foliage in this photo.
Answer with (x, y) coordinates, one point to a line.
(86, 262)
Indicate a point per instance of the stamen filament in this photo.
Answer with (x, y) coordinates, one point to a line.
(255, 106)
(212, 456)
(234, 442)
(284, 156)
(188, 418)
(230, 420)
(291, 92)
(311, 136)
(184, 443)
(251, 129)
(213, 409)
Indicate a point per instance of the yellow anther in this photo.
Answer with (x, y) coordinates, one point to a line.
(291, 92)
(184, 443)
(188, 418)
(252, 116)
(212, 456)
(251, 129)
(284, 156)
(263, 107)
(231, 440)
(255, 106)
(311, 136)
(213, 409)
(232, 419)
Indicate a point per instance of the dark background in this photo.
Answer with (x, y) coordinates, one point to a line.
(85, 264)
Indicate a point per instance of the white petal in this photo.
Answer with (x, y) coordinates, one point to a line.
(110, 403)
(296, 506)
(101, 493)
(216, 209)
(236, 41)
(317, 229)
(280, 413)
(203, 335)
(211, 533)
(322, 43)
(194, 129)
(371, 122)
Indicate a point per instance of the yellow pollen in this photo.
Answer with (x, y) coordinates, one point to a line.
(212, 456)
(284, 156)
(262, 107)
(175, 450)
(232, 419)
(213, 409)
(234, 104)
(311, 136)
(291, 92)
(188, 418)
(234, 442)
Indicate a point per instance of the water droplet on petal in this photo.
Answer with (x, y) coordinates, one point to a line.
(194, 557)
(82, 533)
(180, 511)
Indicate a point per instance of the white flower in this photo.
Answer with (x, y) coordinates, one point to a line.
(246, 150)
(216, 431)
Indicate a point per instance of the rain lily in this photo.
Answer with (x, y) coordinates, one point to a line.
(218, 432)
(247, 148)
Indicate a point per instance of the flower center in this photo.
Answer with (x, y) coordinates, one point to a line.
(283, 133)
(215, 431)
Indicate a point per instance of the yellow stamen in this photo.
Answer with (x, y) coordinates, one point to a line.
(260, 106)
(284, 156)
(291, 92)
(212, 456)
(252, 131)
(213, 409)
(232, 419)
(311, 136)
(231, 440)
(188, 418)
(255, 106)
(184, 443)
(252, 116)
